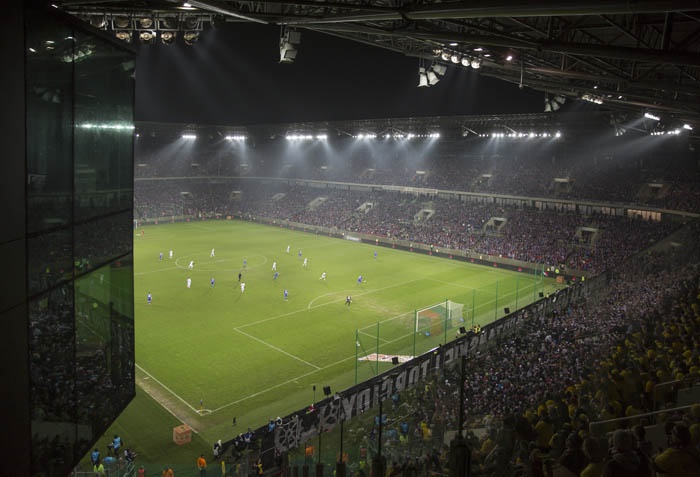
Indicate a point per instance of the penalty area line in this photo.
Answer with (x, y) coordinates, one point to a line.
(169, 391)
(280, 350)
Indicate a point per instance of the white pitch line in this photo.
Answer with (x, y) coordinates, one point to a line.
(167, 389)
(276, 348)
(326, 304)
(279, 385)
(292, 380)
(158, 271)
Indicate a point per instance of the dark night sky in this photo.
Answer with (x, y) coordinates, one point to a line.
(233, 76)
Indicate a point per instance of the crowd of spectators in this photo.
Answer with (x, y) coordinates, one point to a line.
(73, 378)
(544, 400)
(545, 236)
(568, 170)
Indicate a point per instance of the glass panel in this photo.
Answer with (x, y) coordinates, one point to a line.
(101, 240)
(104, 127)
(52, 381)
(50, 260)
(104, 337)
(79, 97)
(49, 96)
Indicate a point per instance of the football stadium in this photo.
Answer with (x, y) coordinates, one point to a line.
(311, 286)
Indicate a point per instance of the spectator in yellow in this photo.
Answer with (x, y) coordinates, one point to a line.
(595, 455)
(680, 459)
(202, 465)
(99, 468)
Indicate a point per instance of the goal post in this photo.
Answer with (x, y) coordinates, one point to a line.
(438, 318)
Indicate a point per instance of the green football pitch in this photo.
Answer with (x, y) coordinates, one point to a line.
(209, 353)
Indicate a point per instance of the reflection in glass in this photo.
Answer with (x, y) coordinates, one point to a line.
(101, 240)
(79, 110)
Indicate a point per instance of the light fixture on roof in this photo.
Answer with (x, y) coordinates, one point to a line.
(687, 127)
(435, 73)
(648, 115)
(146, 23)
(455, 58)
(466, 61)
(192, 22)
(147, 36)
(121, 22)
(445, 55)
(591, 98)
(123, 35)
(168, 37)
(422, 77)
(553, 104)
(190, 37)
(476, 63)
(437, 52)
(98, 21)
(189, 136)
(289, 39)
(509, 58)
(168, 23)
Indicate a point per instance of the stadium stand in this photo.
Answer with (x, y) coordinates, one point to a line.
(572, 388)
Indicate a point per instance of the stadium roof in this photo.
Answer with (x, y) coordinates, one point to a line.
(628, 56)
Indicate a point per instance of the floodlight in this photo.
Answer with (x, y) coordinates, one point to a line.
(651, 116)
(98, 22)
(289, 39)
(146, 23)
(190, 37)
(466, 61)
(121, 22)
(167, 23)
(445, 55)
(147, 36)
(168, 37)
(687, 127)
(124, 36)
(437, 52)
(439, 69)
(455, 59)
(422, 77)
(287, 52)
(476, 63)
(433, 79)
(192, 23)
(189, 136)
